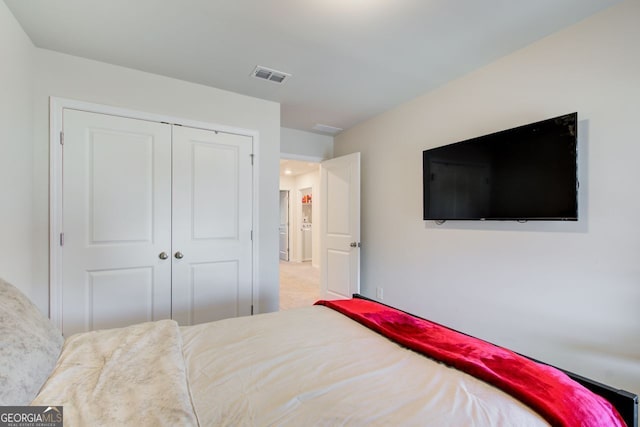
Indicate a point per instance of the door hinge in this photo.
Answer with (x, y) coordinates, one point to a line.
(251, 155)
(61, 138)
(61, 239)
(252, 309)
(252, 235)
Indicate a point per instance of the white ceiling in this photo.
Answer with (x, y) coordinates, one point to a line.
(350, 59)
(296, 167)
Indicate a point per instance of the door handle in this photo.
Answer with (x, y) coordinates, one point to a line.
(163, 255)
(179, 255)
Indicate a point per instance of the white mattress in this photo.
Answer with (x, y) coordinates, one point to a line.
(314, 366)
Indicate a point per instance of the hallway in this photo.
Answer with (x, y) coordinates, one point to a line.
(299, 284)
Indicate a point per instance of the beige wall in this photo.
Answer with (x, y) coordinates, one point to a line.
(16, 152)
(567, 293)
(76, 78)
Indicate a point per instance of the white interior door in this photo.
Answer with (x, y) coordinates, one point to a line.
(340, 226)
(284, 225)
(212, 225)
(116, 221)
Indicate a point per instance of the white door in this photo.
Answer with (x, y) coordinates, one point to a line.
(340, 226)
(212, 221)
(116, 221)
(284, 225)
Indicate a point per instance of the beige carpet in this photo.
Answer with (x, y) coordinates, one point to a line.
(299, 284)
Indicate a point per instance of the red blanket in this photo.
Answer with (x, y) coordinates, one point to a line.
(550, 392)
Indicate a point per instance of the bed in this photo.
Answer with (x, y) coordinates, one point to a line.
(328, 364)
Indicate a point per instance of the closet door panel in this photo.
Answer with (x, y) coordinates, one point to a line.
(120, 174)
(116, 221)
(214, 176)
(220, 302)
(106, 288)
(212, 196)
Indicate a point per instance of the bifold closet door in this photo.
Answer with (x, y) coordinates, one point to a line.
(212, 221)
(116, 221)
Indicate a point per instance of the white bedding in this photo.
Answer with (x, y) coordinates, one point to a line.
(314, 366)
(133, 376)
(304, 367)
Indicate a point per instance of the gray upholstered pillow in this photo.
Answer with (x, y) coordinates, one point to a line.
(29, 347)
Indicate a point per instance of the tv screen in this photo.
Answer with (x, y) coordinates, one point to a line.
(525, 173)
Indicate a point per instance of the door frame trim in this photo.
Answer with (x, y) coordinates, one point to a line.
(288, 210)
(56, 109)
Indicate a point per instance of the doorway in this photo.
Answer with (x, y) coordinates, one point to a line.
(300, 266)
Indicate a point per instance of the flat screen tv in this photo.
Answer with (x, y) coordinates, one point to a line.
(525, 173)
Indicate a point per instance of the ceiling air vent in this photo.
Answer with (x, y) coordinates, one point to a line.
(332, 130)
(274, 76)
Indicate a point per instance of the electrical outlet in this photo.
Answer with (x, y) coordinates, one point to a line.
(379, 294)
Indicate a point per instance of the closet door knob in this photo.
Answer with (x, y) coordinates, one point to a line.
(178, 255)
(163, 255)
